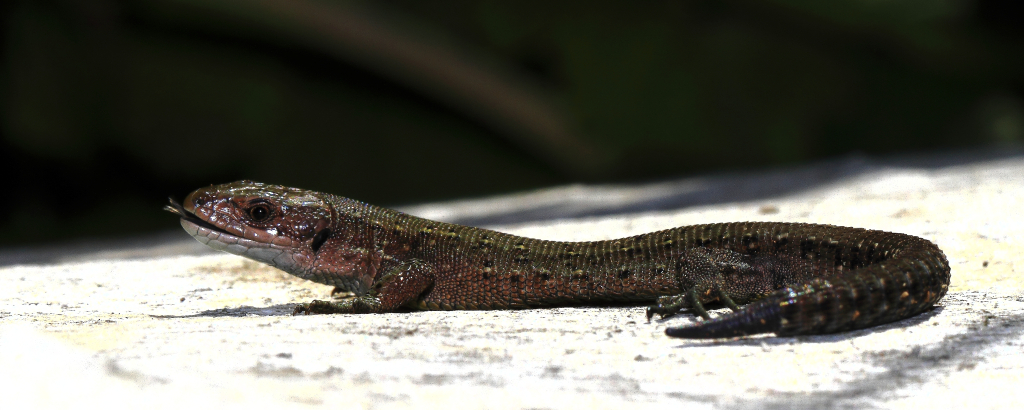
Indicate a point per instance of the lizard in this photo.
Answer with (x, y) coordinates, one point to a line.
(793, 278)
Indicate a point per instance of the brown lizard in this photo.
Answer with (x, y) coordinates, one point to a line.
(797, 278)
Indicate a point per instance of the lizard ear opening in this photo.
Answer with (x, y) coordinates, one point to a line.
(319, 239)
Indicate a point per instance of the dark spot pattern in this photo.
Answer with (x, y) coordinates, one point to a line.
(802, 278)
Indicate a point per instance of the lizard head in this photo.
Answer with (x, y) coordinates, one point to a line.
(280, 226)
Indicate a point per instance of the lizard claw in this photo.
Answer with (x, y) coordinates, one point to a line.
(660, 310)
(301, 309)
(667, 306)
(653, 310)
(316, 307)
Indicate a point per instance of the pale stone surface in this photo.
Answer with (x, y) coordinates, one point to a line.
(161, 323)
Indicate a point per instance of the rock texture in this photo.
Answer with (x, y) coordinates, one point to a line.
(160, 322)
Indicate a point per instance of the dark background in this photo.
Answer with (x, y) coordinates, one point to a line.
(109, 106)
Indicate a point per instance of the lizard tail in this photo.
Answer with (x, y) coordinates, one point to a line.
(761, 317)
(877, 294)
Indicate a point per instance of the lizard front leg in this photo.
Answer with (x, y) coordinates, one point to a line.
(401, 285)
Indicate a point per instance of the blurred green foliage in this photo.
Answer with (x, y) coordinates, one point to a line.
(108, 106)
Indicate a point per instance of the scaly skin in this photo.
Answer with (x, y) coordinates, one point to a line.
(799, 278)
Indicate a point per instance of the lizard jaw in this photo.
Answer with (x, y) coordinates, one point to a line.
(279, 255)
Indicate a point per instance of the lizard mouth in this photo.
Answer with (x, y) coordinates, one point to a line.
(175, 208)
(273, 252)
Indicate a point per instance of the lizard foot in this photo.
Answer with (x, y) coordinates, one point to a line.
(362, 304)
(667, 306)
(311, 308)
(671, 305)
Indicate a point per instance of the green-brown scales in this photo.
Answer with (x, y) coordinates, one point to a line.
(802, 278)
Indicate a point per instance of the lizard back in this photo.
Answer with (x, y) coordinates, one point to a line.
(797, 278)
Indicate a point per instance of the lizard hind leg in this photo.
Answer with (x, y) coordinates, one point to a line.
(361, 304)
(668, 306)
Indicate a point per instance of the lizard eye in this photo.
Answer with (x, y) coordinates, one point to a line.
(259, 213)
